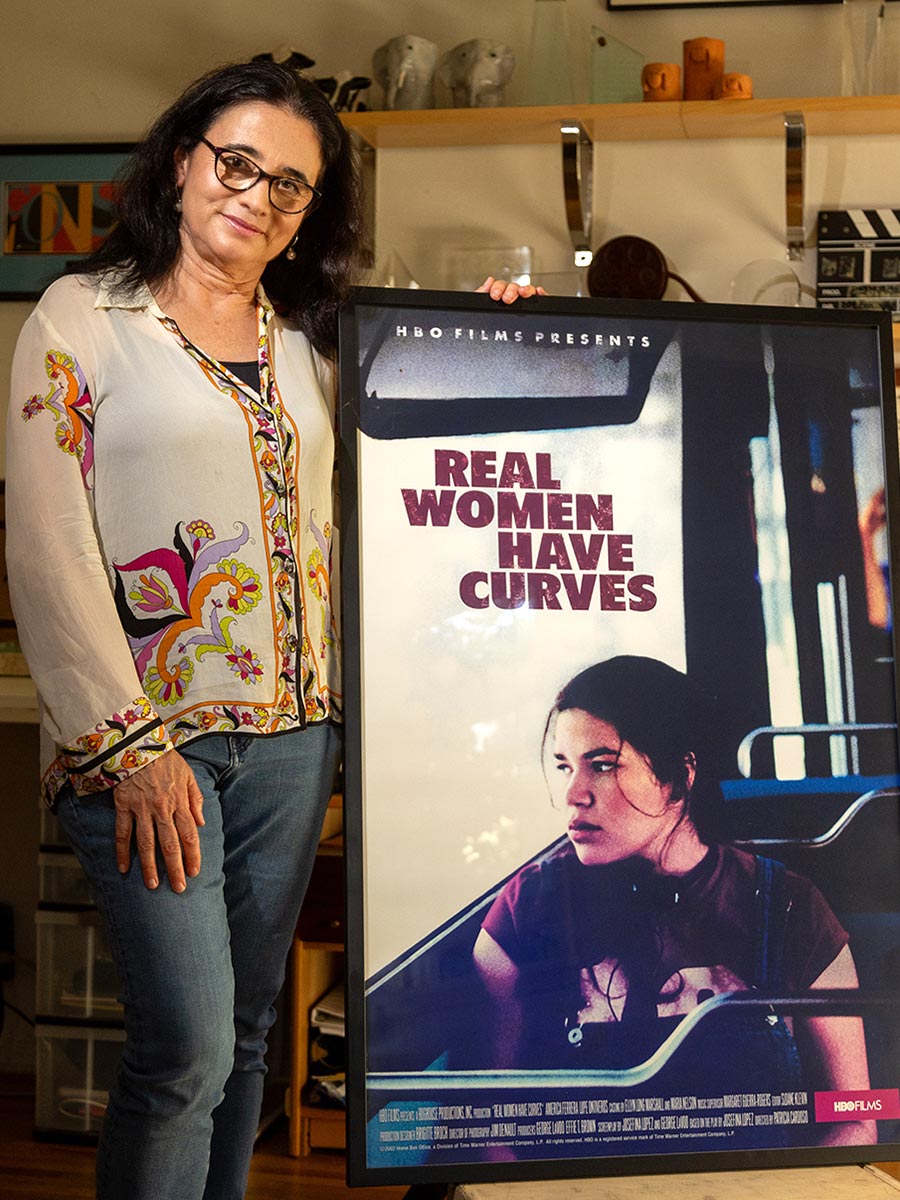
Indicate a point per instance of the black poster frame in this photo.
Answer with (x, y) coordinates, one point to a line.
(369, 414)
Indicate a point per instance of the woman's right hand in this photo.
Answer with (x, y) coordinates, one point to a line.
(161, 802)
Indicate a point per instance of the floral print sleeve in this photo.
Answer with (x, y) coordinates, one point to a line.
(111, 751)
(77, 651)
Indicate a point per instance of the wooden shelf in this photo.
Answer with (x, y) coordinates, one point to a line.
(18, 700)
(326, 1128)
(841, 116)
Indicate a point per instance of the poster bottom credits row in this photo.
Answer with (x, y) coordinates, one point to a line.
(404, 1132)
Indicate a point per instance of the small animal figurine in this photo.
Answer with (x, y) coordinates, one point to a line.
(286, 56)
(476, 72)
(404, 66)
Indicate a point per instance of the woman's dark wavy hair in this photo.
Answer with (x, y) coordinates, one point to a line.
(664, 716)
(144, 244)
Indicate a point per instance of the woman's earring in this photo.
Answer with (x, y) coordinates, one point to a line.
(178, 202)
(291, 253)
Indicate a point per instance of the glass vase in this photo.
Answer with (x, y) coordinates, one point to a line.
(549, 74)
(859, 54)
(889, 50)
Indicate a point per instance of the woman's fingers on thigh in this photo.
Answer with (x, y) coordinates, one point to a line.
(145, 837)
(186, 826)
(124, 823)
(170, 846)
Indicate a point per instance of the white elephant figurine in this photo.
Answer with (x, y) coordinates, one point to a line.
(476, 72)
(404, 67)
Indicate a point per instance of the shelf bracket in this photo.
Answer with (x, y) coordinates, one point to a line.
(795, 183)
(578, 188)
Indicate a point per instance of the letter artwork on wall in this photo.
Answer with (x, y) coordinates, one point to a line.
(622, 773)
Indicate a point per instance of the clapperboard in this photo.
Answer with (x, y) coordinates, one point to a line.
(858, 262)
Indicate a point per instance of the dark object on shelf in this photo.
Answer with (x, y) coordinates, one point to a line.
(631, 268)
(293, 59)
(343, 91)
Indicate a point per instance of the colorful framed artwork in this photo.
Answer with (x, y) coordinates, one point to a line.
(632, 4)
(622, 769)
(56, 206)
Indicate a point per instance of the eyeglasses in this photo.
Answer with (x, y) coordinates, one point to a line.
(239, 173)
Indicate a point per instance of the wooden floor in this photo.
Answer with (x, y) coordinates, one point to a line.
(31, 1170)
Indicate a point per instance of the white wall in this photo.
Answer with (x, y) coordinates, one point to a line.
(95, 70)
(75, 71)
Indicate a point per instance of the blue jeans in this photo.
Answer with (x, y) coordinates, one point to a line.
(199, 971)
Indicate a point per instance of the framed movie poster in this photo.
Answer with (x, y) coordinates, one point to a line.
(622, 761)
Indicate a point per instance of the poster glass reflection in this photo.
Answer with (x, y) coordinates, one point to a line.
(622, 766)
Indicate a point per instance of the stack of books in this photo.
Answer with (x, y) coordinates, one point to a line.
(327, 1080)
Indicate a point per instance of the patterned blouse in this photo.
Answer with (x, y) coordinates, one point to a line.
(170, 542)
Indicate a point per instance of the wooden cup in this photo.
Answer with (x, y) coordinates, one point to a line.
(661, 81)
(735, 86)
(704, 66)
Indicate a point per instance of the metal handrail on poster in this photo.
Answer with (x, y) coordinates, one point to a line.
(838, 728)
(830, 835)
(824, 1003)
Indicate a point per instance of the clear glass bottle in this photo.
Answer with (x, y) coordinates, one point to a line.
(549, 71)
(860, 50)
(889, 50)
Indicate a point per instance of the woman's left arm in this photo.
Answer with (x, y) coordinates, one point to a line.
(835, 1049)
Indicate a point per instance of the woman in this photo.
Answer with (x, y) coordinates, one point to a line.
(594, 953)
(171, 555)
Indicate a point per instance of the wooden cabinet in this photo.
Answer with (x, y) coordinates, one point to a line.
(318, 963)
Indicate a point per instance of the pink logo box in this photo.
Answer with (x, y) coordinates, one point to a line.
(871, 1105)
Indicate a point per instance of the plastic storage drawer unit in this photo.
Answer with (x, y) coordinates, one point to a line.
(76, 979)
(61, 879)
(76, 1066)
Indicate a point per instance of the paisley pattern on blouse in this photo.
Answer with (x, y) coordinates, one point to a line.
(276, 447)
(318, 589)
(69, 402)
(178, 605)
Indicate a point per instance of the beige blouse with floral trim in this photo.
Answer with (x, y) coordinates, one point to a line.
(169, 533)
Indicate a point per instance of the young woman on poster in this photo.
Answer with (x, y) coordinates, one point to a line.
(594, 953)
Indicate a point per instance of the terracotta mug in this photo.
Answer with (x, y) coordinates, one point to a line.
(661, 81)
(704, 66)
